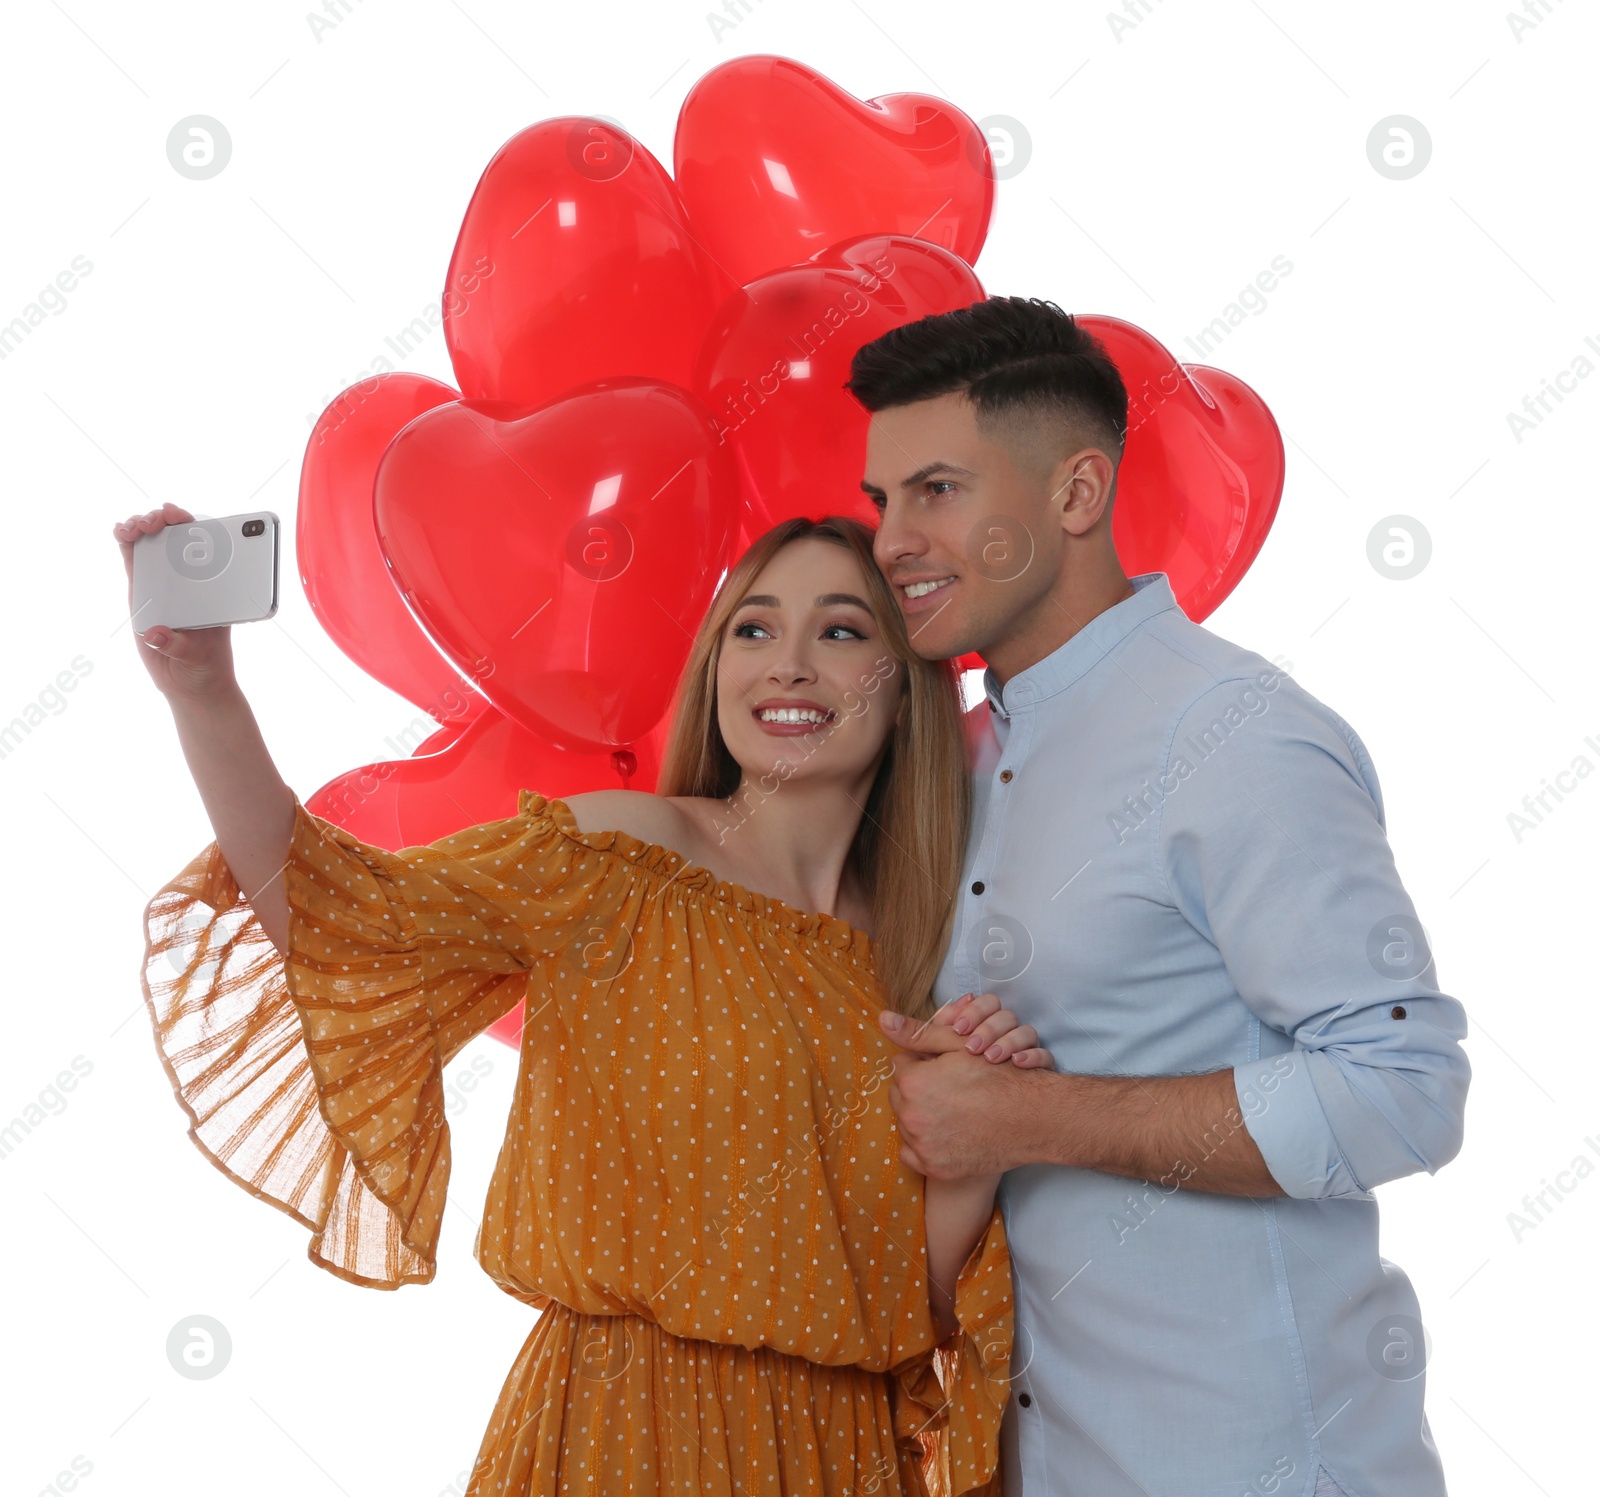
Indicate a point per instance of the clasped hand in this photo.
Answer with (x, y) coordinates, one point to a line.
(960, 1078)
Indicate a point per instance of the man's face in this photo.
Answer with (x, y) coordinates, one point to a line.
(957, 511)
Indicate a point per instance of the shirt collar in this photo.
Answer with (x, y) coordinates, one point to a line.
(1065, 664)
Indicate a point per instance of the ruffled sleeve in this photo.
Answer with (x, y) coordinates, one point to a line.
(949, 1401)
(314, 1078)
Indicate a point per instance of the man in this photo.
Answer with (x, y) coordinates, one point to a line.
(1178, 874)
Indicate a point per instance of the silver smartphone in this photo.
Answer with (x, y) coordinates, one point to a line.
(201, 573)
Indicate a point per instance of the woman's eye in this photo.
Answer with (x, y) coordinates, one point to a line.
(739, 630)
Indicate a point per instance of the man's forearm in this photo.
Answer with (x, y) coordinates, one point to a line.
(1178, 1130)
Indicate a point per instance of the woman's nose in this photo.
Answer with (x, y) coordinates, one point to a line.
(793, 665)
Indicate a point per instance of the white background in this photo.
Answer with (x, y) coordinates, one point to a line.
(1167, 169)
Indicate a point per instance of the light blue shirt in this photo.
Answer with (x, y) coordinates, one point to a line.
(1178, 865)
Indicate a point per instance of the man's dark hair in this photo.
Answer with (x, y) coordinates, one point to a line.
(1017, 358)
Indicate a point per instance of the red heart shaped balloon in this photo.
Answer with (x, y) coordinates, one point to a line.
(775, 162)
(777, 353)
(563, 557)
(345, 577)
(573, 264)
(467, 773)
(1201, 473)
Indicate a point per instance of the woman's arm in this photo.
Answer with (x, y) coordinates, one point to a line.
(956, 1214)
(250, 806)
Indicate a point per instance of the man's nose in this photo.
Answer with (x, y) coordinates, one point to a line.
(894, 543)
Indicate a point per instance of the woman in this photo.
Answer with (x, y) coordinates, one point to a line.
(743, 1288)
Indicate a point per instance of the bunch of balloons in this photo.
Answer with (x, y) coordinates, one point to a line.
(649, 371)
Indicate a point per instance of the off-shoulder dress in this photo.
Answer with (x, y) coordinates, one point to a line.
(699, 1186)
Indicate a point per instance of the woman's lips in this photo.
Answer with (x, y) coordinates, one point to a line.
(791, 730)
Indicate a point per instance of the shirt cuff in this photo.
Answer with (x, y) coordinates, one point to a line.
(1277, 1097)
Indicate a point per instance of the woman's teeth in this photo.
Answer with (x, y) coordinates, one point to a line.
(922, 589)
(793, 715)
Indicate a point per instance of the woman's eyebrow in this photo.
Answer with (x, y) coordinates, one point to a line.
(825, 600)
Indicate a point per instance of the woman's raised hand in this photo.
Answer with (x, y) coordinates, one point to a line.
(185, 664)
(252, 810)
(993, 1032)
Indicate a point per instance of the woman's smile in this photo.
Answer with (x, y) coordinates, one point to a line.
(788, 717)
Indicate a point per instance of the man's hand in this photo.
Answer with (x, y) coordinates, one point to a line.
(951, 1092)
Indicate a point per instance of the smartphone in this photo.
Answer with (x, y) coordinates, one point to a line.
(200, 573)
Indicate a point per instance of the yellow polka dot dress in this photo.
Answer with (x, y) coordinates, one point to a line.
(699, 1188)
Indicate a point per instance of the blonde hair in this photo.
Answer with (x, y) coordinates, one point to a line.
(908, 850)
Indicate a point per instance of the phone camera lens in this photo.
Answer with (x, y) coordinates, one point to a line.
(254, 527)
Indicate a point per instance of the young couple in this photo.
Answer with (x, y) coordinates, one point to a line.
(908, 1102)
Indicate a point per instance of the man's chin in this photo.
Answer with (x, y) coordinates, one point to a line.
(933, 643)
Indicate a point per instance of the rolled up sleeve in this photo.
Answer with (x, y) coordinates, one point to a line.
(1273, 845)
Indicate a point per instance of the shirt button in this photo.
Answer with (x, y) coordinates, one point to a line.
(977, 888)
(1025, 1400)
(1005, 776)
(1397, 1012)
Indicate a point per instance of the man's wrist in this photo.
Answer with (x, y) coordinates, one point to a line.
(1044, 1129)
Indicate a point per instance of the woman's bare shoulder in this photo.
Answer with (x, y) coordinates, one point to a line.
(651, 818)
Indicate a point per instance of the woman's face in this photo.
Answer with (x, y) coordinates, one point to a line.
(806, 684)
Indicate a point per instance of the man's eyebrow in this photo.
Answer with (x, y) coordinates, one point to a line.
(924, 472)
(826, 600)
